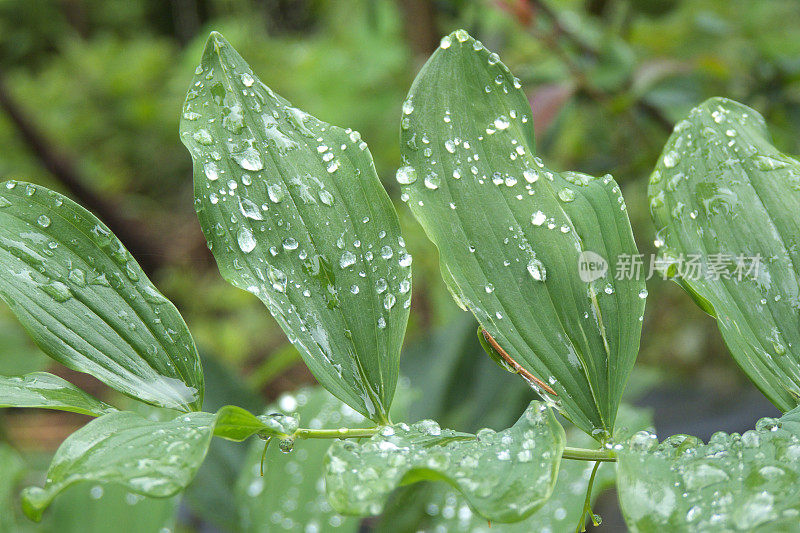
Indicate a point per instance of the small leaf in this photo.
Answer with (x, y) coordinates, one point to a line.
(86, 302)
(512, 232)
(293, 212)
(291, 492)
(504, 476)
(156, 459)
(725, 201)
(12, 468)
(745, 482)
(46, 391)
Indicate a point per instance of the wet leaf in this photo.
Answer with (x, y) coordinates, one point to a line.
(46, 391)
(151, 458)
(294, 212)
(86, 302)
(511, 231)
(726, 201)
(505, 476)
(291, 494)
(745, 482)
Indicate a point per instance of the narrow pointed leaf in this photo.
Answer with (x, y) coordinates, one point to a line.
(86, 302)
(46, 391)
(727, 201)
(511, 231)
(294, 212)
(504, 476)
(745, 482)
(156, 459)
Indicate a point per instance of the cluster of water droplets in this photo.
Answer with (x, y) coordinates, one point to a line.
(735, 482)
(482, 466)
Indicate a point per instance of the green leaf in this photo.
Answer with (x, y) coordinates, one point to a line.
(87, 508)
(441, 508)
(291, 494)
(745, 482)
(46, 391)
(504, 476)
(723, 194)
(511, 231)
(156, 459)
(293, 212)
(12, 468)
(87, 304)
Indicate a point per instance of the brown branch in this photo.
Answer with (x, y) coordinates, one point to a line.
(65, 172)
(530, 378)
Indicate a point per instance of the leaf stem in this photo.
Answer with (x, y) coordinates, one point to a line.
(587, 503)
(583, 454)
(341, 433)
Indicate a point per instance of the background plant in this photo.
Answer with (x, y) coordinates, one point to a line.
(766, 86)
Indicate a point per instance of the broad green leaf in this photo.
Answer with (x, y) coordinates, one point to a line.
(293, 212)
(291, 494)
(12, 469)
(444, 509)
(747, 482)
(86, 302)
(511, 232)
(504, 476)
(151, 458)
(726, 203)
(46, 391)
(87, 508)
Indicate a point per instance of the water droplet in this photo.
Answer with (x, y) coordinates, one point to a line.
(249, 159)
(406, 175)
(211, 170)
(445, 42)
(566, 194)
(432, 181)
(246, 240)
(348, 259)
(536, 270)
(538, 218)
(247, 79)
(501, 122)
(671, 158)
(43, 221)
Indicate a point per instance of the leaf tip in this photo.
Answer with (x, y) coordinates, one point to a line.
(34, 502)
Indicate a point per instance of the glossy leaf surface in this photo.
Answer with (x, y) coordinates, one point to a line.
(726, 204)
(155, 459)
(86, 302)
(46, 391)
(505, 476)
(745, 482)
(294, 212)
(511, 232)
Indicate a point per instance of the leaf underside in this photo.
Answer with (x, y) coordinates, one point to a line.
(86, 302)
(504, 476)
(745, 482)
(293, 211)
(722, 192)
(46, 391)
(151, 458)
(510, 232)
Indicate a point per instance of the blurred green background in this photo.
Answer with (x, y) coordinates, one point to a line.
(90, 95)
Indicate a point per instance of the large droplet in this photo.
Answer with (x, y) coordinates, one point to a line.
(246, 240)
(536, 270)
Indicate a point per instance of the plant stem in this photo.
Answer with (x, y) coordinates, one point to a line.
(587, 503)
(582, 454)
(341, 433)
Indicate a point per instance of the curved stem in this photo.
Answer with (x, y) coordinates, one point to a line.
(587, 504)
(582, 454)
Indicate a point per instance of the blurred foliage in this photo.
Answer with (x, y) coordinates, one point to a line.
(103, 83)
